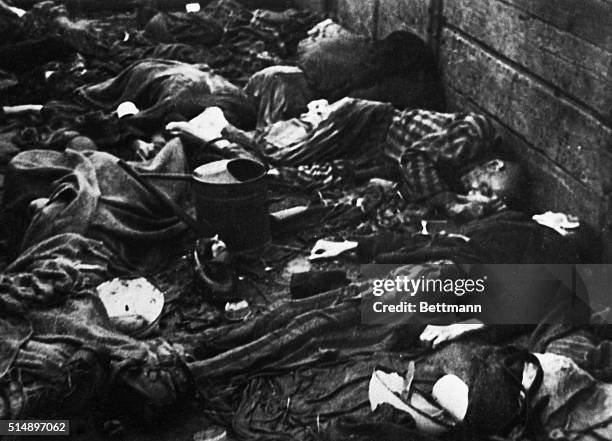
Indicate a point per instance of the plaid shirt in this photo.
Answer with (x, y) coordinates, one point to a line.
(424, 142)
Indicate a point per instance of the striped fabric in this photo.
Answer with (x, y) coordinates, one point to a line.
(576, 346)
(586, 351)
(599, 361)
(423, 141)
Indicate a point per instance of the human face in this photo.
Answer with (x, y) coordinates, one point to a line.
(496, 178)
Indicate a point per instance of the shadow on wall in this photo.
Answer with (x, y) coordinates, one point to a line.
(410, 78)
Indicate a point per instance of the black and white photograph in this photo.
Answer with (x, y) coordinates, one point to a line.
(302, 220)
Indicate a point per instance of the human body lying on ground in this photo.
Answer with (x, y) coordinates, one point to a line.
(84, 201)
(306, 363)
(462, 138)
(80, 220)
(318, 339)
(438, 156)
(113, 209)
(432, 151)
(426, 145)
(33, 38)
(163, 87)
(398, 69)
(91, 183)
(63, 203)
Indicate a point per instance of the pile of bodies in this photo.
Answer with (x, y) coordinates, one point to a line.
(349, 129)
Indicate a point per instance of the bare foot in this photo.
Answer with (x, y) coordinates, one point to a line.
(205, 127)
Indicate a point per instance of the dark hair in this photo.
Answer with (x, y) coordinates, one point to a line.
(404, 51)
(516, 196)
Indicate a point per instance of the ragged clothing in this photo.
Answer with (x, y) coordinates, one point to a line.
(430, 148)
(233, 40)
(573, 405)
(349, 128)
(428, 144)
(98, 223)
(191, 29)
(90, 195)
(59, 349)
(161, 88)
(398, 69)
(280, 93)
(312, 369)
(45, 19)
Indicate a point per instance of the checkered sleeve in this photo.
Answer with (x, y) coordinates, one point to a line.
(450, 141)
(411, 126)
(460, 141)
(421, 178)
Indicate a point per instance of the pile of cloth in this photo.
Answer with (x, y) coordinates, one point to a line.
(59, 347)
(317, 106)
(96, 225)
(67, 54)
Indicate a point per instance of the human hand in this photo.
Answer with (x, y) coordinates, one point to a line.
(490, 204)
(326, 249)
(469, 210)
(434, 335)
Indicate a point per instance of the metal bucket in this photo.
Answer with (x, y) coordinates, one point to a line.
(231, 195)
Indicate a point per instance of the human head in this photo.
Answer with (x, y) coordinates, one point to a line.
(402, 51)
(496, 177)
